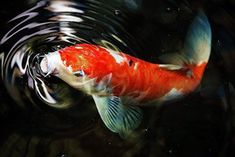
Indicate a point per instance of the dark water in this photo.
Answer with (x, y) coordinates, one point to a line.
(42, 116)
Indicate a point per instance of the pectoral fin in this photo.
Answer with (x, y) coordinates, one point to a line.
(118, 117)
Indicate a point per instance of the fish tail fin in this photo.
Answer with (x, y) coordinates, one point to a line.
(197, 46)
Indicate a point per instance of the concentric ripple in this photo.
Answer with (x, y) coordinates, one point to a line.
(49, 26)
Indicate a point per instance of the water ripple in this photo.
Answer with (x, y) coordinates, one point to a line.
(47, 27)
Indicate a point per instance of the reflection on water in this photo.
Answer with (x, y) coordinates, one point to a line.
(46, 27)
(52, 119)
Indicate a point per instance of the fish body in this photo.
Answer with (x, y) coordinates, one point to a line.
(120, 83)
(129, 76)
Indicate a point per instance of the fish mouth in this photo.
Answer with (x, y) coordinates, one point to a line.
(44, 65)
(50, 63)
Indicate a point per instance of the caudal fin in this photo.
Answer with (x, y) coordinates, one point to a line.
(197, 46)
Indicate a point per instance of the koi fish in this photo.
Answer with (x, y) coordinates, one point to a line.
(121, 84)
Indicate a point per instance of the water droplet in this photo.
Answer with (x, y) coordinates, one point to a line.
(168, 9)
(62, 155)
(219, 43)
(170, 151)
(117, 12)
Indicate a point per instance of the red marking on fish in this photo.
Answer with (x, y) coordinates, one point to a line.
(132, 76)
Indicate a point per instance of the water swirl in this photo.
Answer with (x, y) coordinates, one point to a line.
(49, 26)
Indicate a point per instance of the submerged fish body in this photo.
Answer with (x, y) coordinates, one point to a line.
(120, 83)
(123, 75)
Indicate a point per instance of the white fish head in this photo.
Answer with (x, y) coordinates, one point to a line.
(50, 63)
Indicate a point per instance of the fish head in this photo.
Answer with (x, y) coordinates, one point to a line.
(69, 67)
(50, 63)
(69, 59)
(75, 60)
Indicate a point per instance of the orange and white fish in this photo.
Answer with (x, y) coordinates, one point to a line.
(121, 84)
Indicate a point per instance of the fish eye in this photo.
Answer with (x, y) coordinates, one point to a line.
(130, 62)
(79, 73)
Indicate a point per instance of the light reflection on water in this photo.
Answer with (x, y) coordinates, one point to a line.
(177, 130)
(49, 105)
(48, 26)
